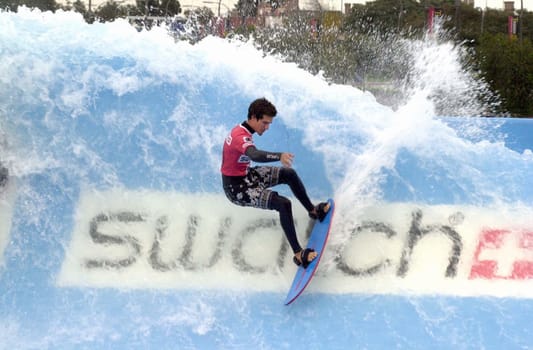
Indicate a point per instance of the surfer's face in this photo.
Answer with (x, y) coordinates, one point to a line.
(261, 125)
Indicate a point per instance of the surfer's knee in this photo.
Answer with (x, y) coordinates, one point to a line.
(280, 203)
(288, 175)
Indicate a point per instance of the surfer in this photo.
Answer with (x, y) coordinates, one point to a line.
(250, 186)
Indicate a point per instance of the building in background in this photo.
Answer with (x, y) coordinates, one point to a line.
(223, 8)
(340, 5)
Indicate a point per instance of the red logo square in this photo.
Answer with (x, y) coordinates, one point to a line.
(503, 254)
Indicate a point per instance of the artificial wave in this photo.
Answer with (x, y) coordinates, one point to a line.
(114, 231)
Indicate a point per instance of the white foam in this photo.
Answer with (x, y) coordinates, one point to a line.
(358, 137)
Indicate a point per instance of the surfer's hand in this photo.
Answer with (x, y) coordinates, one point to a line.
(286, 159)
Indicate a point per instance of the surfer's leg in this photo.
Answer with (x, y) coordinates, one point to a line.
(250, 190)
(290, 177)
(284, 207)
(260, 196)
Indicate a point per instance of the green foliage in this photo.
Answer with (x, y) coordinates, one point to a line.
(246, 8)
(199, 24)
(495, 22)
(201, 15)
(79, 6)
(43, 5)
(161, 8)
(342, 56)
(387, 16)
(109, 11)
(508, 66)
(370, 46)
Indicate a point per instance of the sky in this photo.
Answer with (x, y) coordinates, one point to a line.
(528, 4)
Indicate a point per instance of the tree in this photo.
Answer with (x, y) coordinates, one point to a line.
(79, 6)
(246, 8)
(341, 54)
(43, 5)
(109, 11)
(170, 8)
(386, 16)
(508, 67)
(495, 22)
(200, 23)
(160, 8)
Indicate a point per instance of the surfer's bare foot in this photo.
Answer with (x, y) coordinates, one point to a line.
(320, 211)
(304, 257)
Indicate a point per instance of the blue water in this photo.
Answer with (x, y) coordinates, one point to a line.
(88, 108)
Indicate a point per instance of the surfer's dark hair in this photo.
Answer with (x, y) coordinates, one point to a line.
(261, 107)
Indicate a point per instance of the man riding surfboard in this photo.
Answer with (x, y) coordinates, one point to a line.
(250, 186)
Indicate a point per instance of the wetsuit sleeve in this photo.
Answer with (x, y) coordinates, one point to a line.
(262, 156)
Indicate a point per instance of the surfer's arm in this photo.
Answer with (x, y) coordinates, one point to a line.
(264, 157)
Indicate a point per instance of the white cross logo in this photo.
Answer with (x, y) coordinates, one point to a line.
(506, 253)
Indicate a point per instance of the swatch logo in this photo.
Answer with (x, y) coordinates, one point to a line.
(127, 239)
